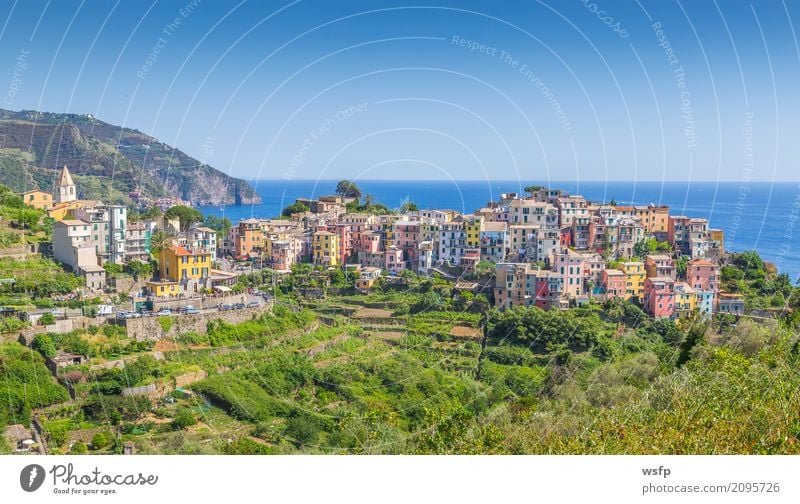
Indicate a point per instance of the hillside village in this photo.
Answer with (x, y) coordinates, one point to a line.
(140, 323)
(548, 248)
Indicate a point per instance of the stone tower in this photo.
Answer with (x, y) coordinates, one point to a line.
(66, 190)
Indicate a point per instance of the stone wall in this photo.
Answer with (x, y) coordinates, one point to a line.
(150, 328)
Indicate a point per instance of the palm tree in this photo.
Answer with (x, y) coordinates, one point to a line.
(159, 241)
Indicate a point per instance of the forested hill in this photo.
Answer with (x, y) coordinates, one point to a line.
(107, 161)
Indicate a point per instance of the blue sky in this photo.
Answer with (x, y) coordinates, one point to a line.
(435, 89)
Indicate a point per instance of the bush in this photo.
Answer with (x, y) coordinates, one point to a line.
(102, 440)
(183, 419)
(78, 448)
(47, 319)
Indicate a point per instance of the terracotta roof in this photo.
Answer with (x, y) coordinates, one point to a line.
(179, 250)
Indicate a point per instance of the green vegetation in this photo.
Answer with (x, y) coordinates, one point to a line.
(186, 215)
(294, 208)
(27, 384)
(418, 366)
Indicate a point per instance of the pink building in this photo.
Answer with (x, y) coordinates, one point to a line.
(581, 273)
(703, 275)
(345, 242)
(406, 236)
(614, 284)
(659, 297)
(369, 242)
(395, 262)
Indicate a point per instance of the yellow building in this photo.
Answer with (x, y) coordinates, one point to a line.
(634, 279)
(163, 289)
(325, 248)
(60, 211)
(472, 229)
(38, 199)
(685, 299)
(191, 270)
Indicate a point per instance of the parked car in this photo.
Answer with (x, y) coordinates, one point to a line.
(225, 307)
(164, 312)
(191, 310)
(123, 315)
(238, 306)
(252, 304)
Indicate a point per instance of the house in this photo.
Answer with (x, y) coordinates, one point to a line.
(367, 278)
(659, 297)
(72, 247)
(685, 300)
(703, 274)
(37, 199)
(730, 304)
(614, 284)
(326, 249)
(249, 239)
(108, 230)
(395, 262)
(137, 242)
(62, 360)
(452, 241)
(19, 437)
(660, 266)
(190, 269)
(678, 233)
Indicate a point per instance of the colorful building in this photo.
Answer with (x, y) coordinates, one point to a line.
(659, 297)
(325, 249)
(685, 300)
(614, 284)
(189, 269)
(634, 280)
(37, 199)
(659, 265)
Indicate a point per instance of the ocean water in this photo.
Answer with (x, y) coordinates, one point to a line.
(758, 216)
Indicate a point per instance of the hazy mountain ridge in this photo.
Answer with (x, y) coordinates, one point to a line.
(108, 161)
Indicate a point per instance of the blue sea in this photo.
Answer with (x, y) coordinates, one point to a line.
(758, 216)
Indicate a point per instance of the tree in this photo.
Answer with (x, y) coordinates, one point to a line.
(294, 208)
(43, 343)
(151, 213)
(112, 269)
(408, 206)
(159, 241)
(680, 266)
(533, 188)
(348, 189)
(186, 215)
(369, 200)
(140, 269)
(219, 224)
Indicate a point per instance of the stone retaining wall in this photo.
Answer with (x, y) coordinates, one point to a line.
(149, 328)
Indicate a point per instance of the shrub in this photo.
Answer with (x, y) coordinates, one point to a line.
(78, 448)
(183, 419)
(102, 440)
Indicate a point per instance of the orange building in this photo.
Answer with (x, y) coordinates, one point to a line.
(38, 199)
